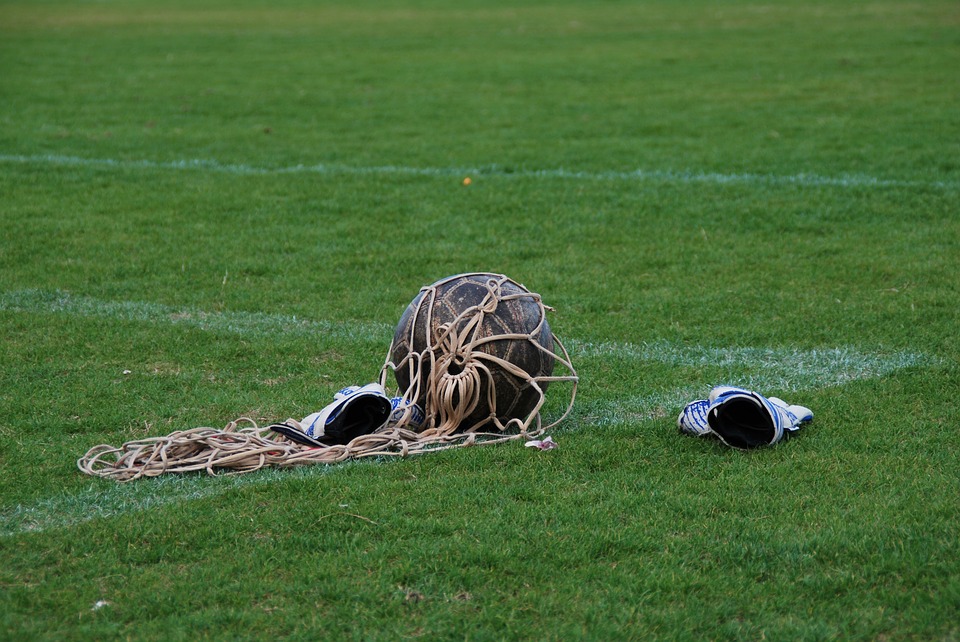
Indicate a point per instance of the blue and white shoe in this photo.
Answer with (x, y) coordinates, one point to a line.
(693, 418)
(746, 419)
(355, 411)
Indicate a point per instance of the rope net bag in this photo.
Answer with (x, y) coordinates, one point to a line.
(473, 351)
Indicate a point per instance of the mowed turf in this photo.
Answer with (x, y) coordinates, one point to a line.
(220, 209)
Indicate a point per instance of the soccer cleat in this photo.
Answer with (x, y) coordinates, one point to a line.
(693, 418)
(746, 419)
(355, 411)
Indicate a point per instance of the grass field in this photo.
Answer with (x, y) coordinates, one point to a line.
(214, 209)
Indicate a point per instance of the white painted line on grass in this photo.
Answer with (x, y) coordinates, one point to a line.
(99, 501)
(780, 369)
(244, 323)
(638, 175)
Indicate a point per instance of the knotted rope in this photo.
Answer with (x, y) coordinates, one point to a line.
(240, 447)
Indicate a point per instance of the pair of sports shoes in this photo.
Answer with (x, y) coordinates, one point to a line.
(742, 418)
(355, 411)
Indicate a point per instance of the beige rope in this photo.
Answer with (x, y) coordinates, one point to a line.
(459, 342)
(232, 449)
(242, 446)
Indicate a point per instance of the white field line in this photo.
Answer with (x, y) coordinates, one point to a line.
(775, 369)
(780, 369)
(769, 370)
(98, 500)
(243, 323)
(638, 175)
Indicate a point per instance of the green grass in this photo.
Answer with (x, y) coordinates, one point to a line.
(234, 201)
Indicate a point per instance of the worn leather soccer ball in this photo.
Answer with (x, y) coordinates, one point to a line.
(485, 326)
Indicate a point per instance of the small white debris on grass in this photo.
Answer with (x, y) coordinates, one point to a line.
(546, 443)
(99, 605)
